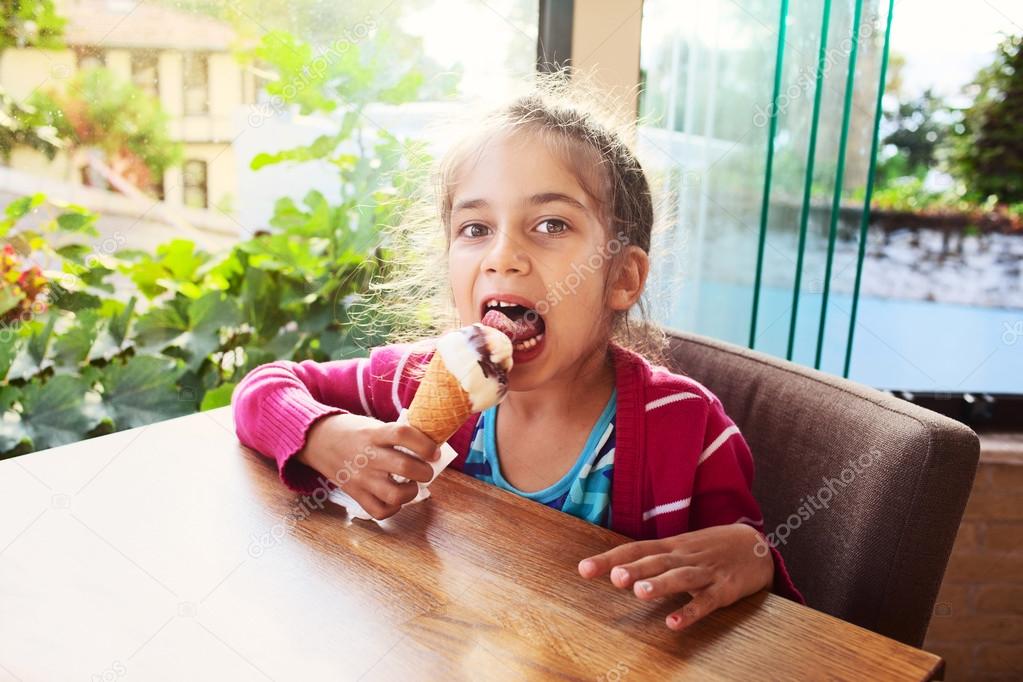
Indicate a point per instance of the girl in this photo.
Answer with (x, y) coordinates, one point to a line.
(546, 216)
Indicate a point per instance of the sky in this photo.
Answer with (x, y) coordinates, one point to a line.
(945, 42)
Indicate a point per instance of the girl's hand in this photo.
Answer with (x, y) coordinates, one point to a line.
(358, 454)
(717, 566)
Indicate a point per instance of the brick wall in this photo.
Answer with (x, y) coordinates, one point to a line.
(977, 626)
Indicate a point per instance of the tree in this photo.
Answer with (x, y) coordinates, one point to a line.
(988, 152)
(30, 23)
(27, 23)
(99, 110)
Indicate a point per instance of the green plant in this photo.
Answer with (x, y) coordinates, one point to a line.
(101, 111)
(988, 152)
(22, 124)
(27, 23)
(919, 131)
(30, 23)
(192, 323)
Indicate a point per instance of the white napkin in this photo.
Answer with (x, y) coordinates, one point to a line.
(355, 510)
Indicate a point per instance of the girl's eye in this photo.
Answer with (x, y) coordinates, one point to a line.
(474, 230)
(554, 226)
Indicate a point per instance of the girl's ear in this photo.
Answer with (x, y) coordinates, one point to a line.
(630, 278)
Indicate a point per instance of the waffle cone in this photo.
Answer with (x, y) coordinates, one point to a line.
(440, 405)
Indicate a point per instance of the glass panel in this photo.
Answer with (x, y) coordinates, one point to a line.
(145, 72)
(709, 74)
(196, 80)
(195, 184)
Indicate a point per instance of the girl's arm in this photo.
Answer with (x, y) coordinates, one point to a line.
(724, 555)
(275, 405)
(722, 492)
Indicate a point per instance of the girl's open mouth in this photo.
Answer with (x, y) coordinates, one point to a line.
(524, 326)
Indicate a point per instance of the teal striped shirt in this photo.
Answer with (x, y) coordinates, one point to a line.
(584, 491)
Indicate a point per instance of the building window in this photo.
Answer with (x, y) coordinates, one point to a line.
(145, 72)
(197, 85)
(89, 57)
(196, 191)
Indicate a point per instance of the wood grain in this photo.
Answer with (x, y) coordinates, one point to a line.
(172, 552)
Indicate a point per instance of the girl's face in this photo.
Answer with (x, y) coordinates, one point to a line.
(524, 231)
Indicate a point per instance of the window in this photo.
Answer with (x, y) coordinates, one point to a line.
(196, 192)
(752, 269)
(145, 72)
(196, 83)
(89, 57)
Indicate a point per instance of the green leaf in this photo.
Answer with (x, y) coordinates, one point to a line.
(14, 437)
(8, 394)
(192, 327)
(22, 205)
(143, 390)
(112, 338)
(19, 208)
(32, 358)
(10, 343)
(217, 397)
(72, 347)
(160, 325)
(72, 301)
(78, 222)
(175, 266)
(260, 299)
(53, 412)
(9, 299)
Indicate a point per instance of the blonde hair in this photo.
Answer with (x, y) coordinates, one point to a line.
(410, 297)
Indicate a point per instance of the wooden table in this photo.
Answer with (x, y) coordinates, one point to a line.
(171, 552)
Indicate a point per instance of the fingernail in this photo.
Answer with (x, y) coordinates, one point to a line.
(674, 620)
(645, 586)
(619, 574)
(586, 566)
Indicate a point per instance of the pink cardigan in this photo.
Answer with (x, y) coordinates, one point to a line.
(680, 462)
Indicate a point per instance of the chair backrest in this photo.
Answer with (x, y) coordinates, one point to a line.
(862, 491)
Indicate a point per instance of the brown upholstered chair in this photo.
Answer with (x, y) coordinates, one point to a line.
(875, 554)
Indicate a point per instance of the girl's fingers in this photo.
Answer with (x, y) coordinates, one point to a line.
(681, 579)
(411, 438)
(644, 567)
(391, 493)
(370, 502)
(622, 554)
(700, 605)
(395, 462)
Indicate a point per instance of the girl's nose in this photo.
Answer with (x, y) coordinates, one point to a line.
(505, 255)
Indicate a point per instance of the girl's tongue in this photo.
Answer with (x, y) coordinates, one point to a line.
(518, 328)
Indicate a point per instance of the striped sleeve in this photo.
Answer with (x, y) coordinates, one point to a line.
(276, 404)
(722, 490)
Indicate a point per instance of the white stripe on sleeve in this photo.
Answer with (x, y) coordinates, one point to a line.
(675, 506)
(668, 399)
(718, 442)
(397, 375)
(362, 386)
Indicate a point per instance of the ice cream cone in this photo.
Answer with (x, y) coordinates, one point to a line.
(440, 405)
(468, 373)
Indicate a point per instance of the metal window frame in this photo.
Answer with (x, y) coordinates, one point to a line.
(554, 37)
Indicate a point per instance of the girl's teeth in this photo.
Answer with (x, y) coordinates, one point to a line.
(526, 345)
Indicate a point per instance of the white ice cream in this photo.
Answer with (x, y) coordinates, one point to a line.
(460, 356)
